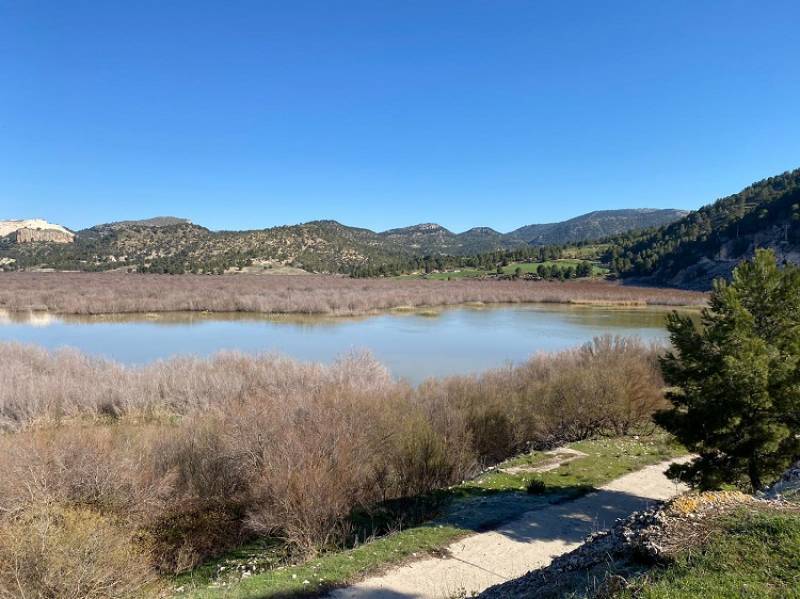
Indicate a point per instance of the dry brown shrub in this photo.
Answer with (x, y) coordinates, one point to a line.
(475, 409)
(627, 380)
(611, 384)
(103, 467)
(109, 293)
(197, 455)
(419, 457)
(57, 552)
(204, 494)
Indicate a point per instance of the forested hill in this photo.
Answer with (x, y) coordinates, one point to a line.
(174, 245)
(708, 243)
(596, 225)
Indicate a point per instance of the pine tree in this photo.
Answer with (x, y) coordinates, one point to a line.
(736, 379)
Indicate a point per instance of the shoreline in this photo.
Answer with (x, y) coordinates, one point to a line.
(180, 316)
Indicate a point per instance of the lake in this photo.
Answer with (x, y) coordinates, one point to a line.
(414, 345)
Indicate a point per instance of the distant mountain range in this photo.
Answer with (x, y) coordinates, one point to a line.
(597, 225)
(665, 247)
(318, 246)
(431, 239)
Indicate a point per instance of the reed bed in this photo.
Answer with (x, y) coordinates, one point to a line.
(114, 293)
(135, 471)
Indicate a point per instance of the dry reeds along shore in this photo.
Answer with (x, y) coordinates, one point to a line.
(135, 471)
(105, 293)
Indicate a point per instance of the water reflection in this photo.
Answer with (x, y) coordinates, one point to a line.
(413, 344)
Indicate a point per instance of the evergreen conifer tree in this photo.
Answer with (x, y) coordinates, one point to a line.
(736, 378)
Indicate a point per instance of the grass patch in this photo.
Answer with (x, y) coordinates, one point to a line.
(459, 515)
(332, 569)
(755, 553)
(525, 268)
(532, 267)
(586, 252)
(606, 460)
(466, 273)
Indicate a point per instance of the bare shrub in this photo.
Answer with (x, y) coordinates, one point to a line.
(200, 513)
(102, 467)
(610, 384)
(108, 293)
(478, 408)
(311, 479)
(420, 459)
(194, 456)
(627, 381)
(56, 552)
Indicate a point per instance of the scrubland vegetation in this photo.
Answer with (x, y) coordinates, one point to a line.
(137, 472)
(96, 293)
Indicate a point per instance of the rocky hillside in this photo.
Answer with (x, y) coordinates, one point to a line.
(431, 238)
(176, 247)
(169, 244)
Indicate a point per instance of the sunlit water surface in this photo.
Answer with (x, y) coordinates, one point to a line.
(413, 345)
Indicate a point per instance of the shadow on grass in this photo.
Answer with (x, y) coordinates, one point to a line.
(563, 513)
(567, 519)
(567, 514)
(474, 509)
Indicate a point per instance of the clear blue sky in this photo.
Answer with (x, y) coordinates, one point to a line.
(384, 113)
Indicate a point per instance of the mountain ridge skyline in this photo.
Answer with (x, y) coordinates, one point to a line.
(319, 246)
(145, 221)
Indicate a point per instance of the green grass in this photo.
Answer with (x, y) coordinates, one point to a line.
(465, 273)
(320, 574)
(459, 515)
(606, 460)
(510, 269)
(532, 267)
(755, 553)
(586, 252)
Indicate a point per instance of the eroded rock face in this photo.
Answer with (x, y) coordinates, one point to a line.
(39, 235)
(35, 230)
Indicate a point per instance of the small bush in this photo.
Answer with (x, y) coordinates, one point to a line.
(536, 487)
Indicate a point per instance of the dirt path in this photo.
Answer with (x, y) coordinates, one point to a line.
(528, 542)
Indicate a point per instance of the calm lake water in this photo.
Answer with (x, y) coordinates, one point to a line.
(413, 345)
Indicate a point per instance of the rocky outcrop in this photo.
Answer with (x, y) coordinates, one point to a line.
(35, 230)
(26, 235)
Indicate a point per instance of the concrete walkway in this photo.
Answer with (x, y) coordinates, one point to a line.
(528, 542)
